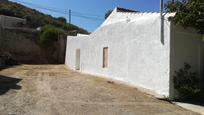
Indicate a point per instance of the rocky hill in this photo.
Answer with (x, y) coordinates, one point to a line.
(35, 18)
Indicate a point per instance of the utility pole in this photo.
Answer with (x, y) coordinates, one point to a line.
(162, 21)
(161, 8)
(1, 36)
(70, 16)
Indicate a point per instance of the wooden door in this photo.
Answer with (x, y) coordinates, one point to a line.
(77, 65)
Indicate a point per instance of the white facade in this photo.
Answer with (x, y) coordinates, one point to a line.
(136, 54)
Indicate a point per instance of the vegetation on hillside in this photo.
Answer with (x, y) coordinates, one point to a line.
(35, 18)
(189, 13)
(49, 34)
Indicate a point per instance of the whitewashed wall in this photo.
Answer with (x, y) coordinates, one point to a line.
(186, 47)
(136, 54)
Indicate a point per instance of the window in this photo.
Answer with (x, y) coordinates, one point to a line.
(105, 57)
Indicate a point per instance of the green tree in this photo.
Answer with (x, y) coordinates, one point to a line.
(49, 35)
(62, 19)
(189, 13)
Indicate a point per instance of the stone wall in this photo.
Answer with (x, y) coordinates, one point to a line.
(23, 45)
(9, 21)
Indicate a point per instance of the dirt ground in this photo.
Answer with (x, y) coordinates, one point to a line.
(55, 90)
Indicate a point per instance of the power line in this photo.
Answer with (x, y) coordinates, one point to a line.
(31, 4)
(63, 11)
(93, 15)
(85, 17)
(41, 7)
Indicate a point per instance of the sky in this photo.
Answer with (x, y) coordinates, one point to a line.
(88, 14)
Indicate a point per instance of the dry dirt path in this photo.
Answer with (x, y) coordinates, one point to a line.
(55, 90)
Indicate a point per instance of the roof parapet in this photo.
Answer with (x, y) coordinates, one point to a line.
(118, 9)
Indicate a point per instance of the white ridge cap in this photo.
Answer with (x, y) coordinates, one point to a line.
(116, 17)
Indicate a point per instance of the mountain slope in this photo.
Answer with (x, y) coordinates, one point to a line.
(35, 18)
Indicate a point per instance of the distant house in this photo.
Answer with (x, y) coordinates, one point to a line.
(9, 21)
(128, 46)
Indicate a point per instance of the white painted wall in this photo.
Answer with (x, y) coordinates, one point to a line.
(136, 54)
(186, 47)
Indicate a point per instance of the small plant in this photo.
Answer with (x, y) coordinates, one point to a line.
(49, 35)
(187, 83)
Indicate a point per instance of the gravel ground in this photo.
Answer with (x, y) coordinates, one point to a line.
(55, 90)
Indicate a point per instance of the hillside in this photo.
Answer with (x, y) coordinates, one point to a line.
(35, 18)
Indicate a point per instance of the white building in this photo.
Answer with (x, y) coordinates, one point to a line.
(128, 47)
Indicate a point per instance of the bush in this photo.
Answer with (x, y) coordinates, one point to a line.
(187, 83)
(49, 35)
(62, 19)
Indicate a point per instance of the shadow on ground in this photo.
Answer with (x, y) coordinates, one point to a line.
(6, 67)
(198, 101)
(8, 83)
